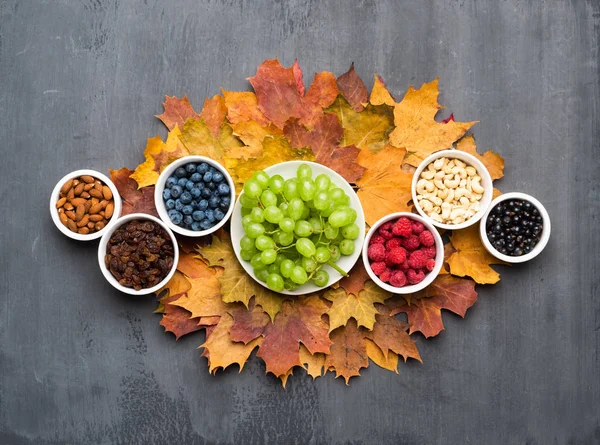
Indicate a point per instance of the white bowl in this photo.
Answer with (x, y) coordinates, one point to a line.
(538, 247)
(439, 255)
(486, 183)
(102, 252)
(288, 170)
(160, 186)
(55, 196)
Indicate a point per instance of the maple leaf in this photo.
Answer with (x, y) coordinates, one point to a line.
(177, 320)
(323, 139)
(380, 94)
(384, 188)
(390, 334)
(471, 258)
(236, 284)
(178, 284)
(389, 362)
(213, 113)
(198, 138)
(221, 351)
(177, 111)
(298, 322)
(134, 200)
(280, 93)
(312, 363)
(248, 323)
(348, 353)
(253, 134)
(368, 129)
(448, 119)
(492, 161)
(416, 129)
(243, 107)
(203, 299)
(353, 89)
(446, 292)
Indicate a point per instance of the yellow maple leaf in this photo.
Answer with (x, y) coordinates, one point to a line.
(383, 188)
(471, 259)
(203, 299)
(176, 285)
(492, 161)
(199, 139)
(416, 129)
(389, 362)
(312, 363)
(243, 106)
(253, 134)
(380, 94)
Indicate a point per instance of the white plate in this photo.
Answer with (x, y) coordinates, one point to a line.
(288, 170)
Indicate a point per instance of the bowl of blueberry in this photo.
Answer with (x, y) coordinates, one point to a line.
(515, 228)
(194, 196)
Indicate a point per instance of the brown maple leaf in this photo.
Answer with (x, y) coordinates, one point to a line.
(348, 353)
(177, 320)
(353, 89)
(249, 323)
(177, 111)
(390, 334)
(134, 200)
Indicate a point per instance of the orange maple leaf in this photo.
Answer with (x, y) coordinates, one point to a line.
(380, 94)
(213, 113)
(492, 161)
(348, 354)
(177, 111)
(176, 319)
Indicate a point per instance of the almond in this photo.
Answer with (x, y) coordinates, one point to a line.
(79, 189)
(61, 202)
(70, 194)
(85, 195)
(66, 186)
(91, 225)
(63, 218)
(108, 211)
(70, 214)
(87, 187)
(97, 217)
(95, 193)
(104, 203)
(84, 220)
(87, 179)
(71, 225)
(83, 231)
(68, 206)
(95, 208)
(87, 206)
(107, 192)
(78, 201)
(100, 225)
(98, 186)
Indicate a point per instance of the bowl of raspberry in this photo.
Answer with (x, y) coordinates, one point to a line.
(403, 253)
(194, 196)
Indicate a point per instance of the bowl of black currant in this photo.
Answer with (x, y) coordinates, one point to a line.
(515, 228)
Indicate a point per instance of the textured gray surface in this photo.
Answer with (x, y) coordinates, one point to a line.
(83, 364)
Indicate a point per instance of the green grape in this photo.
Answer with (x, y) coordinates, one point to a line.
(268, 256)
(262, 178)
(289, 285)
(273, 214)
(247, 254)
(296, 208)
(307, 189)
(308, 264)
(311, 205)
(286, 238)
(287, 224)
(257, 215)
(261, 274)
(275, 282)
(340, 218)
(329, 210)
(305, 247)
(305, 213)
(246, 242)
(263, 243)
(276, 236)
(330, 232)
(303, 228)
(284, 208)
(351, 231)
(254, 230)
(273, 268)
(252, 188)
(304, 172)
(298, 275)
(269, 227)
(347, 247)
(280, 258)
(354, 215)
(321, 278)
(321, 200)
(256, 262)
(316, 224)
(335, 253)
(247, 202)
(276, 184)
(322, 182)
(290, 189)
(247, 220)
(322, 254)
(345, 200)
(246, 210)
(336, 195)
(268, 198)
(286, 267)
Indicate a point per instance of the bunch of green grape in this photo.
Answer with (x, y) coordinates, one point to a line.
(294, 227)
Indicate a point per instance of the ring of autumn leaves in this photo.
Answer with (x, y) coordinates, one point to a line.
(375, 143)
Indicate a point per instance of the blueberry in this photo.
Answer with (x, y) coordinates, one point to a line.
(213, 202)
(219, 215)
(202, 168)
(180, 172)
(217, 176)
(176, 191)
(195, 192)
(178, 205)
(223, 189)
(182, 182)
(186, 197)
(210, 215)
(190, 168)
(225, 201)
(194, 204)
(170, 204)
(188, 220)
(175, 217)
(207, 177)
(203, 205)
(206, 193)
(212, 185)
(196, 177)
(189, 185)
(187, 210)
(205, 224)
(166, 194)
(198, 215)
(171, 181)
(196, 226)
(200, 185)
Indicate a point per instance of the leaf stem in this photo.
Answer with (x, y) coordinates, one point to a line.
(338, 268)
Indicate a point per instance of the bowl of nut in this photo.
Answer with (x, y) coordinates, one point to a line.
(84, 204)
(138, 254)
(194, 196)
(452, 189)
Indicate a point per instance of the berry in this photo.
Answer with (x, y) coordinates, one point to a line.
(186, 197)
(182, 182)
(187, 210)
(430, 264)
(189, 185)
(195, 192)
(202, 168)
(170, 204)
(403, 227)
(396, 255)
(404, 266)
(223, 189)
(198, 215)
(386, 275)
(414, 276)
(411, 243)
(398, 279)
(376, 252)
(178, 205)
(203, 204)
(429, 252)
(166, 194)
(426, 238)
(206, 193)
(217, 176)
(210, 216)
(196, 226)
(386, 226)
(376, 239)
(207, 177)
(219, 215)
(171, 181)
(190, 167)
(176, 191)
(386, 234)
(417, 227)
(188, 220)
(175, 217)
(213, 202)
(378, 267)
(393, 243)
(417, 260)
(196, 177)
(180, 172)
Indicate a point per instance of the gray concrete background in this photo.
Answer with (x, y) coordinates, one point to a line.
(83, 364)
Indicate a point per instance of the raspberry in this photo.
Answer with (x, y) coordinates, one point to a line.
(376, 239)
(376, 252)
(411, 243)
(404, 266)
(398, 279)
(429, 251)
(414, 276)
(386, 234)
(393, 243)
(386, 275)
(396, 256)
(426, 238)
(378, 267)
(417, 227)
(430, 264)
(386, 226)
(417, 259)
(403, 227)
